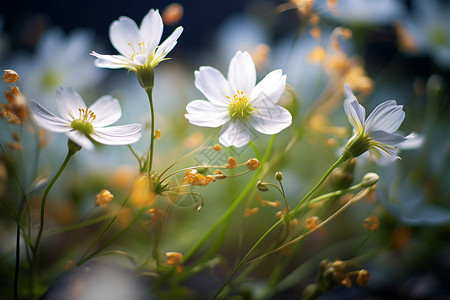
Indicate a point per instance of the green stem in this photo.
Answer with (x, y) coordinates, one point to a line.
(72, 150)
(152, 128)
(327, 173)
(119, 234)
(228, 213)
(232, 207)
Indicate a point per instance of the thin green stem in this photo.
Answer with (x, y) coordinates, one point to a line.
(137, 158)
(232, 207)
(324, 177)
(114, 238)
(242, 196)
(47, 191)
(152, 128)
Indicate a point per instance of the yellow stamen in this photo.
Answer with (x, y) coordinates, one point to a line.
(240, 106)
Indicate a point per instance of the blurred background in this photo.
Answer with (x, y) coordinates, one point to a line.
(393, 49)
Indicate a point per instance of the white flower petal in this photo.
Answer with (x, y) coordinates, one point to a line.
(413, 141)
(356, 113)
(213, 85)
(80, 139)
(69, 102)
(270, 120)
(117, 135)
(388, 116)
(111, 61)
(269, 90)
(107, 111)
(206, 114)
(124, 35)
(47, 120)
(387, 138)
(242, 73)
(235, 133)
(151, 30)
(168, 44)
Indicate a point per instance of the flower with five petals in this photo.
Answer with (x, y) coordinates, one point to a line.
(238, 102)
(138, 47)
(83, 124)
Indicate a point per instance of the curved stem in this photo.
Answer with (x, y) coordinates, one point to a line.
(71, 152)
(327, 173)
(152, 128)
(228, 213)
(114, 238)
(232, 207)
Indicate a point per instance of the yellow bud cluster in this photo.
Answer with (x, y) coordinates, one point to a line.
(103, 198)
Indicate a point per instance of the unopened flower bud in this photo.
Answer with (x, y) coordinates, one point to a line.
(279, 176)
(252, 164)
(10, 76)
(232, 163)
(261, 186)
(175, 259)
(218, 174)
(216, 147)
(103, 198)
(363, 278)
(370, 179)
(157, 134)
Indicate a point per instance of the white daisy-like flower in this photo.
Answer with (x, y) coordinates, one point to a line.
(238, 103)
(376, 133)
(83, 124)
(138, 47)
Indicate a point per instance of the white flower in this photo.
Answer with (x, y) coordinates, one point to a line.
(138, 46)
(238, 103)
(376, 133)
(83, 124)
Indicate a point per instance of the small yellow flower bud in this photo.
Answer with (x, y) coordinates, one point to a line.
(372, 223)
(363, 278)
(312, 222)
(103, 198)
(370, 179)
(175, 259)
(347, 282)
(10, 76)
(218, 174)
(248, 212)
(16, 103)
(253, 164)
(271, 203)
(157, 134)
(232, 163)
(216, 147)
(279, 176)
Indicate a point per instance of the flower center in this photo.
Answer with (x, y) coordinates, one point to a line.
(138, 53)
(84, 123)
(240, 106)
